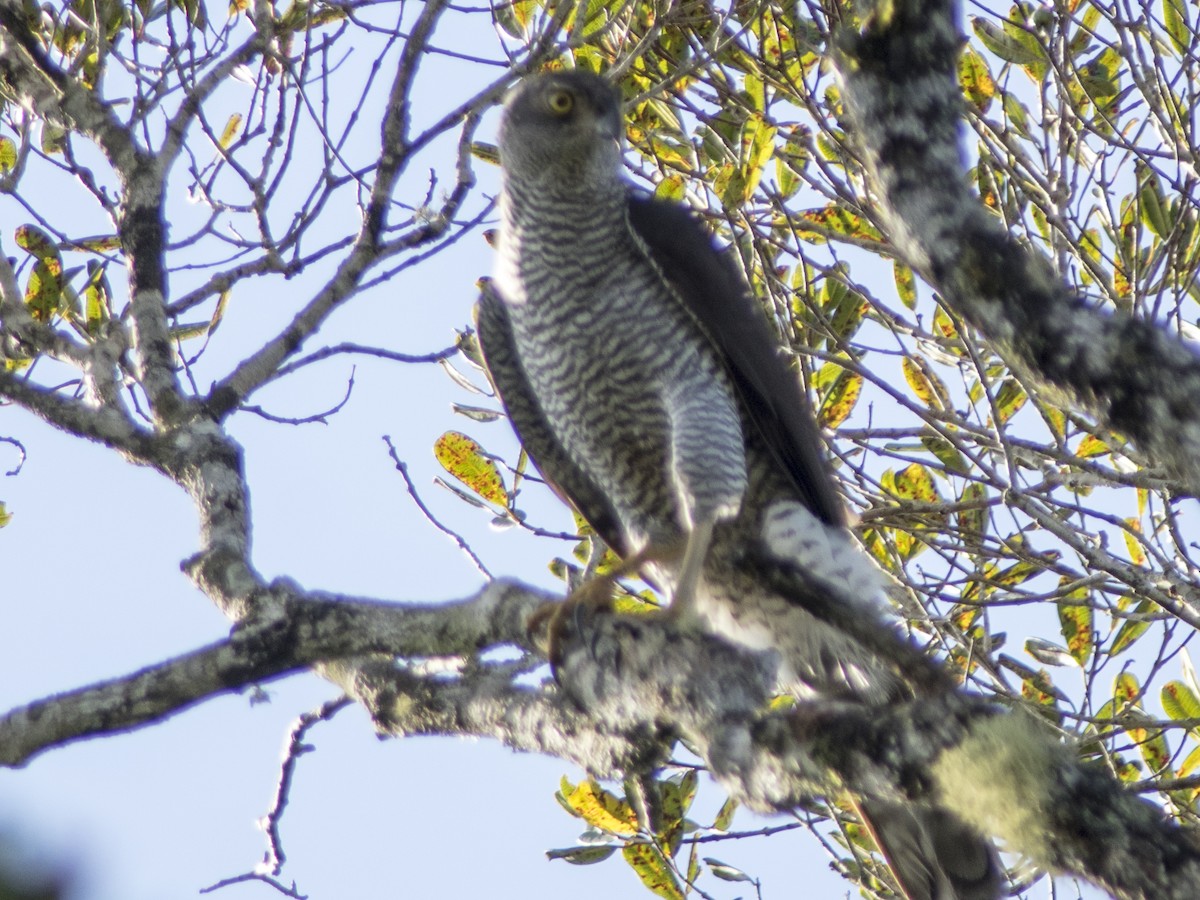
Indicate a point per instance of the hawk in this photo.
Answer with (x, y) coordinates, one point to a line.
(649, 389)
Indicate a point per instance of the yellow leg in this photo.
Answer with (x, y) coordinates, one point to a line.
(683, 598)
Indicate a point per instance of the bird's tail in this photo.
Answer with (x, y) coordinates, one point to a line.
(932, 855)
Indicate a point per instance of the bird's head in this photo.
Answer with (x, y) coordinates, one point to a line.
(562, 126)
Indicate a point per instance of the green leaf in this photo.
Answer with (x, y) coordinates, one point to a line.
(1009, 399)
(677, 797)
(54, 138)
(906, 284)
(652, 868)
(927, 387)
(1179, 701)
(673, 187)
(724, 816)
(1152, 743)
(8, 154)
(43, 291)
(6, 517)
(97, 297)
(758, 146)
(1175, 17)
(488, 153)
(839, 401)
(1013, 45)
(726, 872)
(1076, 625)
(946, 453)
(1131, 629)
(1152, 201)
(835, 221)
(1127, 691)
(582, 856)
(916, 483)
(1091, 447)
(1190, 764)
(463, 458)
(977, 84)
(973, 522)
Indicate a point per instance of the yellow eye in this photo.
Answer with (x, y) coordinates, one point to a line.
(561, 102)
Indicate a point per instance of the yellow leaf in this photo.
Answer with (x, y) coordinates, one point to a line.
(648, 862)
(1137, 554)
(916, 483)
(232, 126)
(1075, 623)
(463, 458)
(1126, 689)
(924, 383)
(840, 400)
(600, 808)
(906, 284)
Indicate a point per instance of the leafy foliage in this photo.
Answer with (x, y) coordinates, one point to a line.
(991, 505)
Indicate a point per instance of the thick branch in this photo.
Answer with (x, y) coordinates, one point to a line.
(901, 89)
(297, 630)
(1002, 772)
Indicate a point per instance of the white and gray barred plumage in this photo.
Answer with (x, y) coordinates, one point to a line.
(648, 387)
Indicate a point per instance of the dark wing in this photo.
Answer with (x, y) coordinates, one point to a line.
(567, 480)
(716, 294)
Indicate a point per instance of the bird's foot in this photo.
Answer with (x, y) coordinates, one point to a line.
(545, 626)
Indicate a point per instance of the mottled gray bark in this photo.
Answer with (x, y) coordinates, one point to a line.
(1005, 773)
(901, 90)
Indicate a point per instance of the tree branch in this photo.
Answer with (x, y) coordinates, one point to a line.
(294, 630)
(901, 89)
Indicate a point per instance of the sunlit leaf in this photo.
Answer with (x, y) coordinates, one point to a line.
(839, 401)
(8, 154)
(1190, 764)
(835, 221)
(97, 298)
(1179, 29)
(5, 515)
(1180, 701)
(947, 454)
(925, 384)
(677, 797)
(463, 458)
(906, 284)
(488, 153)
(1132, 629)
(54, 138)
(1137, 553)
(1076, 624)
(1153, 203)
(724, 817)
(648, 863)
(1009, 399)
(1091, 447)
(1151, 742)
(977, 84)
(673, 187)
(916, 483)
(233, 125)
(1126, 689)
(599, 808)
(1012, 45)
(972, 523)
